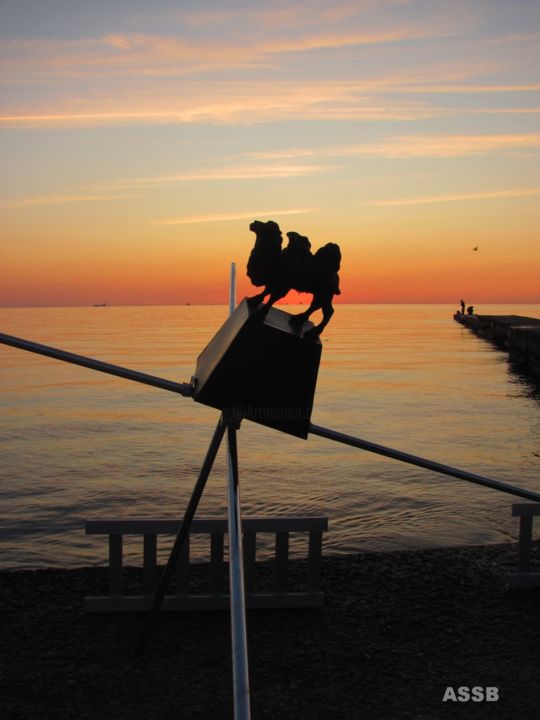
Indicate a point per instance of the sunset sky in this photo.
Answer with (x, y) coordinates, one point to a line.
(140, 139)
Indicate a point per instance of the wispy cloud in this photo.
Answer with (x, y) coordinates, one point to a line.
(298, 14)
(110, 191)
(338, 40)
(256, 70)
(240, 102)
(64, 199)
(221, 217)
(285, 154)
(243, 172)
(501, 111)
(139, 54)
(151, 79)
(89, 118)
(461, 197)
(447, 146)
(448, 88)
(244, 111)
(515, 38)
(416, 146)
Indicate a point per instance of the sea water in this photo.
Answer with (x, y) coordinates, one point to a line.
(77, 444)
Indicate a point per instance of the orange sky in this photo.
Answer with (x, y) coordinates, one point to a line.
(137, 148)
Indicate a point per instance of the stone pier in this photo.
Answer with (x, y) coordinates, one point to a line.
(518, 335)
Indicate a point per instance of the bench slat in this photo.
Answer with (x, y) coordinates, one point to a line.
(249, 551)
(149, 563)
(282, 559)
(136, 526)
(217, 566)
(182, 569)
(521, 509)
(314, 560)
(115, 564)
(139, 603)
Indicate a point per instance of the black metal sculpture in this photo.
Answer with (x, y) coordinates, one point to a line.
(293, 268)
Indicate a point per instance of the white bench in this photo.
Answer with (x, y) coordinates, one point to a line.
(217, 598)
(524, 577)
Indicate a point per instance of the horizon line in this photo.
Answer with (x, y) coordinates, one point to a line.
(292, 304)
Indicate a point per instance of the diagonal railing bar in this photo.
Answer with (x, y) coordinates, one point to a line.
(422, 462)
(180, 388)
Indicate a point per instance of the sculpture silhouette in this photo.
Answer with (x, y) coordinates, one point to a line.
(293, 268)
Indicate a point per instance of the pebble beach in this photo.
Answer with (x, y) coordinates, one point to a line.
(396, 630)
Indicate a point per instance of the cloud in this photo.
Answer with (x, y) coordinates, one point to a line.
(502, 111)
(416, 146)
(338, 40)
(136, 78)
(514, 38)
(281, 63)
(245, 102)
(240, 172)
(492, 195)
(277, 17)
(109, 191)
(119, 56)
(63, 199)
(442, 88)
(86, 118)
(268, 13)
(137, 54)
(446, 146)
(221, 217)
(284, 154)
(265, 103)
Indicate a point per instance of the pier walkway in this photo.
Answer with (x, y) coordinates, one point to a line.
(519, 335)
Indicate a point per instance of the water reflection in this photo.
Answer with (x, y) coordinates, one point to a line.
(76, 444)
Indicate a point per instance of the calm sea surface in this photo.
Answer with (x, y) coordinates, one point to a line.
(77, 444)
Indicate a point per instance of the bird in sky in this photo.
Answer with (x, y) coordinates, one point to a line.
(475, 248)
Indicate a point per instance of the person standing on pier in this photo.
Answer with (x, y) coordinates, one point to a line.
(462, 303)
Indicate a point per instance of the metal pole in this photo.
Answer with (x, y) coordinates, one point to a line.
(422, 462)
(183, 531)
(236, 584)
(232, 289)
(180, 388)
(236, 560)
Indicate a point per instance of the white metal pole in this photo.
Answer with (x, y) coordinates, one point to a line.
(232, 289)
(237, 593)
(236, 585)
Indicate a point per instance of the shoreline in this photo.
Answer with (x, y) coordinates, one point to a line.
(396, 629)
(264, 561)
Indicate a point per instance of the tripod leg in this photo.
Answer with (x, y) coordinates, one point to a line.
(182, 532)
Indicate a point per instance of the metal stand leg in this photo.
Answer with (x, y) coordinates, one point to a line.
(183, 531)
(236, 584)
